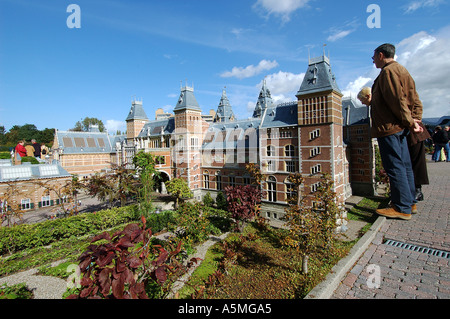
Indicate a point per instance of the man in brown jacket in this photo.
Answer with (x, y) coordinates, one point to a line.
(394, 98)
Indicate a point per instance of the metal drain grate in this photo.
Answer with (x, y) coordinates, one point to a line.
(420, 249)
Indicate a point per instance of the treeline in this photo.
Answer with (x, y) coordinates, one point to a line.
(25, 132)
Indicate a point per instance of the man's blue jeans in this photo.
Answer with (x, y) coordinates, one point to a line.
(397, 163)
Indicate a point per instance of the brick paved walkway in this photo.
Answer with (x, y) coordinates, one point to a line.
(407, 274)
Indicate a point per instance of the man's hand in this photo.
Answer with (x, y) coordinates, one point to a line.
(417, 128)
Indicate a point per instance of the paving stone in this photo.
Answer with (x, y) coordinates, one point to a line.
(407, 274)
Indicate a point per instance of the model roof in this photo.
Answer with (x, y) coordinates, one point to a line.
(71, 142)
(137, 112)
(187, 100)
(318, 77)
(28, 171)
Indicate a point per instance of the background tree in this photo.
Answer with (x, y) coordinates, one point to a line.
(83, 125)
(178, 188)
(25, 132)
(2, 135)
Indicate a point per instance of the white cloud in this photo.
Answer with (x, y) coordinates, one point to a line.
(282, 8)
(427, 59)
(418, 4)
(113, 126)
(352, 89)
(337, 33)
(251, 70)
(283, 85)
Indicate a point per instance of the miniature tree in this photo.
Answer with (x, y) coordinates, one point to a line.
(117, 185)
(311, 227)
(145, 167)
(243, 203)
(178, 188)
(11, 209)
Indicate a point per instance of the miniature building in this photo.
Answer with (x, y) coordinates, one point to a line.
(85, 153)
(20, 182)
(305, 136)
(318, 133)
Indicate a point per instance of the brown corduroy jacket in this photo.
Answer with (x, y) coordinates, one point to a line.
(395, 102)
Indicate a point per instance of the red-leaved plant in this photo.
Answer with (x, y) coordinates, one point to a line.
(243, 203)
(121, 268)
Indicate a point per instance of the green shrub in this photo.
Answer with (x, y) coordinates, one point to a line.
(19, 291)
(5, 155)
(221, 201)
(158, 222)
(41, 234)
(208, 200)
(30, 159)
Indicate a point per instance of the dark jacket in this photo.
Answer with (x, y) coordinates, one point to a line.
(395, 101)
(440, 138)
(37, 149)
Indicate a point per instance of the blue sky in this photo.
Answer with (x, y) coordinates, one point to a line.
(53, 76)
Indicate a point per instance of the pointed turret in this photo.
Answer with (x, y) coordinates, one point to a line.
(187, 100)
(136, 120)
(320, 100)
(137, 112)
(224, 111)
(264, 101)
(318, 78)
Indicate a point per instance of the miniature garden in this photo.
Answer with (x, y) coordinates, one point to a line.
(139, 251)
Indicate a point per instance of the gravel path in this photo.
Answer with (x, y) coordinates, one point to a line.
(43, 287)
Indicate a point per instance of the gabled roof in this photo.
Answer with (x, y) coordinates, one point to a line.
(318, 77)
(187, 100)
(87, 142)
(137, 112)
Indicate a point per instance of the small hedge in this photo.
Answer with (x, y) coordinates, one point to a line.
(13, 239)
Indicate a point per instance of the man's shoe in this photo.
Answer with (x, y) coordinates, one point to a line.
(419, 194)
(414, 209)
(393, 213)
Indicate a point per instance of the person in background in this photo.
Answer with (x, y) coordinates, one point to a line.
(433, 157)
(447, 147)
(44, 151)
(20, 149)
(37, 148)
(30, 150)
(440, 140)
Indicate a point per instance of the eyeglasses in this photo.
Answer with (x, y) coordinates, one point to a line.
(375, 55)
